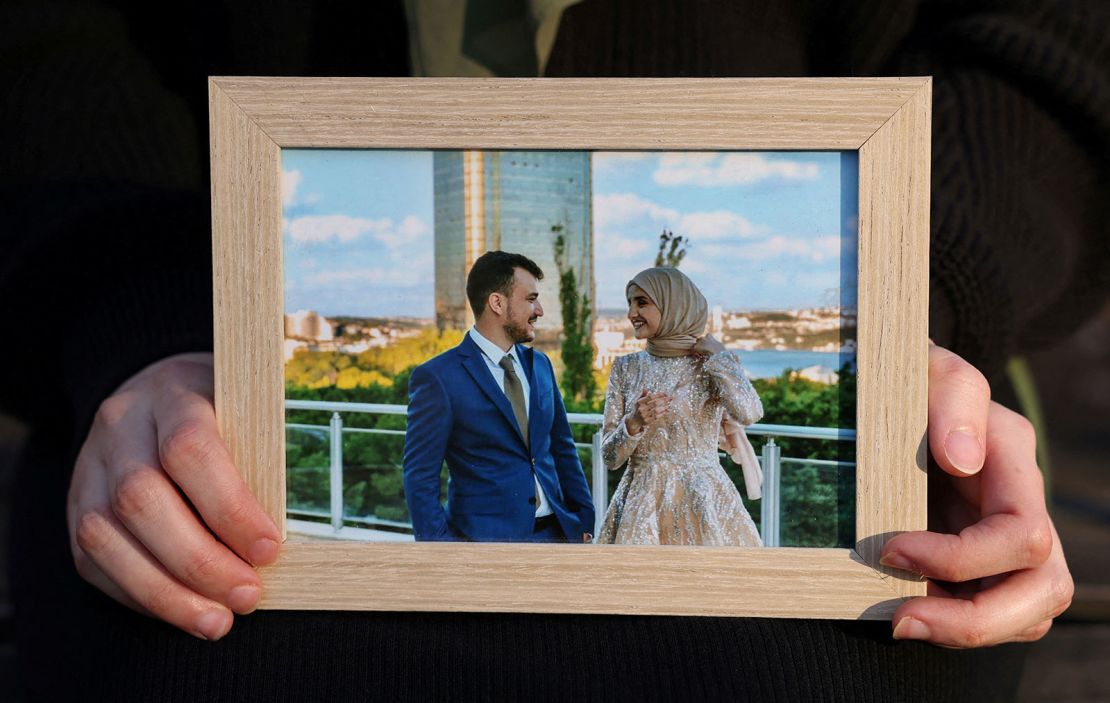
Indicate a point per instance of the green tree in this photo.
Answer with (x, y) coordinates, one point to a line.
(818, 501)
(372, 470)
(577, 350)
(672, 249)
(410, 351)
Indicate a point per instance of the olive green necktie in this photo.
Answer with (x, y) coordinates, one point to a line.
(515, 392)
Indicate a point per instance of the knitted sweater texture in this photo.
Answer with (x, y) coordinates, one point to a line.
(106, 269)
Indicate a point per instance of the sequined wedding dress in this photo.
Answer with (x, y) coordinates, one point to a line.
(674, 490)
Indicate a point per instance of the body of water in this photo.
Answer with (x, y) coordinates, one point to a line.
(768, 363)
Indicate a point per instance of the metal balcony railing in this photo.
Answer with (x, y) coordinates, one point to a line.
(771, 462)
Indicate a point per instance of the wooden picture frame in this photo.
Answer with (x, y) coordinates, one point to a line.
(887, 120)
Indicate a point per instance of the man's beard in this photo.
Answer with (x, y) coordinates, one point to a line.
(520, 334)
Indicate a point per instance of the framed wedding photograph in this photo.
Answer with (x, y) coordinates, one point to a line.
(637, 346)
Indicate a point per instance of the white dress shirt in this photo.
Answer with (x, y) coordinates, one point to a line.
(493, 355)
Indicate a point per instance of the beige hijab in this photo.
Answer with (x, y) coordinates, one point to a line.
(682, 306)
(684, 313)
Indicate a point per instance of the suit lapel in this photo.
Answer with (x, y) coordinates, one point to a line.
(526, 357)
(527, 360)
(475, 365)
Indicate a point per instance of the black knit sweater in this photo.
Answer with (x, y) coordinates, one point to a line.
(105, 268)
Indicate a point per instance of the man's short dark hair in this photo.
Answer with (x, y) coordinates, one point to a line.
(493, 272)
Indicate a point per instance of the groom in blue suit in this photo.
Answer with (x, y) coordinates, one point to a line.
(492, 409)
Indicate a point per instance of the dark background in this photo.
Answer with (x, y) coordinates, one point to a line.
(1072, 372)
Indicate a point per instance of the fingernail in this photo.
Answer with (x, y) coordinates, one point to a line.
(896, 561)
(214, 624)
(911, 629)
(263, 551)
(243, 599)
(964, 451)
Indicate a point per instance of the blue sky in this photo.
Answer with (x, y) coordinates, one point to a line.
(766, 228)
(358, 232)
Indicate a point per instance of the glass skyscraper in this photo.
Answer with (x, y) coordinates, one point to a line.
(512, 201)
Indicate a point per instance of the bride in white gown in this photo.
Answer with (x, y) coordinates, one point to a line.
(667, 411)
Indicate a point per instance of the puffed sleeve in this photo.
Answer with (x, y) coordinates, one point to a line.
(616, 444)
(732, 387)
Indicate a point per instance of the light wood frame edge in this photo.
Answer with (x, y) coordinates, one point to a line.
(887, 120)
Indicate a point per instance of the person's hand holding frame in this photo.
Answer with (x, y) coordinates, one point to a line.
(992, 541)
(1010, 531)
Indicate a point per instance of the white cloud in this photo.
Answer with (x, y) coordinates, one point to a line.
(316, 229)
(707, 170)
(618, 208)
(411, 229)
(623, 247)
(720, 224)
(290, 180)
(396, 276)
(819, 250)
(814, 250)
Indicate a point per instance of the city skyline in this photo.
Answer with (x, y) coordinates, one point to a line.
(769, 231)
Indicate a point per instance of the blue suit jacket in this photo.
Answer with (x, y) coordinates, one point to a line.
(458, 413)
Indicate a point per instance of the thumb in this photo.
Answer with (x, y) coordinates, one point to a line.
(959, 402)
(643, 393)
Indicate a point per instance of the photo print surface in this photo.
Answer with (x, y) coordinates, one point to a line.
(378, 247)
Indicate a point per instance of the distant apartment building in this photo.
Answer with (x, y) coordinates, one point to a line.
(717, 320)
(308, 324)
(510, 200)
(608, 344)
(738, 322)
